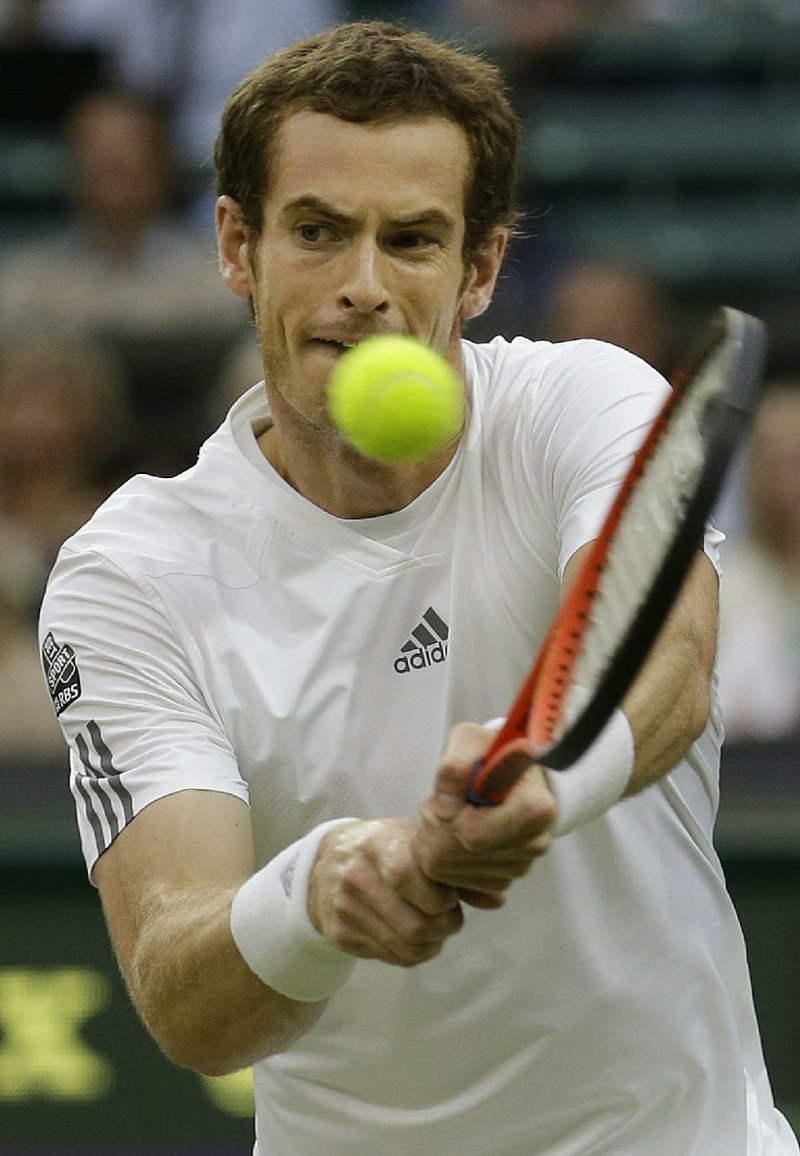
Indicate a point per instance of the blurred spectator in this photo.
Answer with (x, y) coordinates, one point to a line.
(242, 368)
(759, 642)
(125, 272)
(612, 302)
(685, 11)
(534, 27)
(62, 450)
(190, 53)
(28, 726)
(123, 262)
(26, 99)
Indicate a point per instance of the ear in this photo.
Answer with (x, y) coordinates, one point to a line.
(481, 276)
(232, 242)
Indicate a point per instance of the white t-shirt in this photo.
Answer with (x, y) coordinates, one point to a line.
(218, 631)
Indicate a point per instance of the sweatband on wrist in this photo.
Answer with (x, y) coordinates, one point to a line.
(597, 779)
(272, 929)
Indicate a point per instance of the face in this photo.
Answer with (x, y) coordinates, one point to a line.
(774, 464)
(120, 173)
(42, 421)
(362, 234)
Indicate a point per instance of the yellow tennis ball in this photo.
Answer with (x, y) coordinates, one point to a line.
(395, 399)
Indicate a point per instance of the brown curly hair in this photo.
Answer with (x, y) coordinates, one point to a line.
(373, 72)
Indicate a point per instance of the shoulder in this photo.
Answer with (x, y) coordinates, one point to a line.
(201, 522)
(141, 528)
(567, 366)
(543, 384)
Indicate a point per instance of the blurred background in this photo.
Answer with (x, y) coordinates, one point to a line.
(661, 177)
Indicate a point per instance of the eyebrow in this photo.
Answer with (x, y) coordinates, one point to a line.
(432, 218)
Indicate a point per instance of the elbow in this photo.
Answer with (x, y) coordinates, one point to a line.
(209, 1066)
(218, 1046)
(197, 1053)
(189, 1037)
(184, 1046)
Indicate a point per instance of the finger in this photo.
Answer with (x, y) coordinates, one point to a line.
(521, 820)
(400, 871)
(466, 744)
(483, 900)
(478, 862)
(475, 837)
(482, 877)
(374, 922)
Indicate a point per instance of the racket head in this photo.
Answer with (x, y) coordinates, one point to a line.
(556, 715)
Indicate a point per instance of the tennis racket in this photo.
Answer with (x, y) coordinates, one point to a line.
(635, 568)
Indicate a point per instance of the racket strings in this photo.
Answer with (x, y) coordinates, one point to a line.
(646, 529)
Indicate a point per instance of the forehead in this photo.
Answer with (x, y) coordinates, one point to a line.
(395, 167)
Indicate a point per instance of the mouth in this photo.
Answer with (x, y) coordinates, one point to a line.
(331, 346)
(339, 345)
(335, 343)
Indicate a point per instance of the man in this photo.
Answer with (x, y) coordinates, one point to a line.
(254, 750)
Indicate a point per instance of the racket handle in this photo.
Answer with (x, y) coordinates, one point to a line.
(491, 779)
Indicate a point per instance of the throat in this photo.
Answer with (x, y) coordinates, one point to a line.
(342, 482)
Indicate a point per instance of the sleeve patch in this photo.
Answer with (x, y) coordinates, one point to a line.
(61, 672)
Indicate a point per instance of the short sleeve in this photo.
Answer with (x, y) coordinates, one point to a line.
(136, 722)
(597, 403)
(601, 403)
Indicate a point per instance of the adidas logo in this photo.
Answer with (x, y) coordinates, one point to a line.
(427, 645)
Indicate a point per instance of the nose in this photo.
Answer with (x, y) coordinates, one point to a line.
(363, 288)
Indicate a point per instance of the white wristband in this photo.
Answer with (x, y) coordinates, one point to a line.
(597, 779)
(271, 926)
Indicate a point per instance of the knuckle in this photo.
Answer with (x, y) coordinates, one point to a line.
(396, 873)
(351, 887)
(475, 841)
(541, 844)
(420, 953)
(420, 930)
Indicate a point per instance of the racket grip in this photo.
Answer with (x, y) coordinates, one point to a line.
(473, 794)
(491, 779)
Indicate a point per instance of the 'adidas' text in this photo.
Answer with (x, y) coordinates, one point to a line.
(421, 657)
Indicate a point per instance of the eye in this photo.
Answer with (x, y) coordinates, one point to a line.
(413, 241)
(312, 234)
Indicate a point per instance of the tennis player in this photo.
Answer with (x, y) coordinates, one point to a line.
(258, 664)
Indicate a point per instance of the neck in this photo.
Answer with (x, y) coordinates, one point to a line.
(315, 460)
(340, 481)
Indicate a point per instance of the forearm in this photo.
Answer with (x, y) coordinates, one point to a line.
(201, 1002)
(668, 705)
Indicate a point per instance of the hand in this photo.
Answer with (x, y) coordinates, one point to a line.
(480, 851)
(368, 895)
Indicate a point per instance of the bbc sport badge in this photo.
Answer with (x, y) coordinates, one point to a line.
(61, 672)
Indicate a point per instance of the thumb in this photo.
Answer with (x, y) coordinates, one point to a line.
(466, 744)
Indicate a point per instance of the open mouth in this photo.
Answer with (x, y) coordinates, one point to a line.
(337, 347)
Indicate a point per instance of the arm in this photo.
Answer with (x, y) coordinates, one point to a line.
(667, 709)
(167, 883)
(668, 704)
